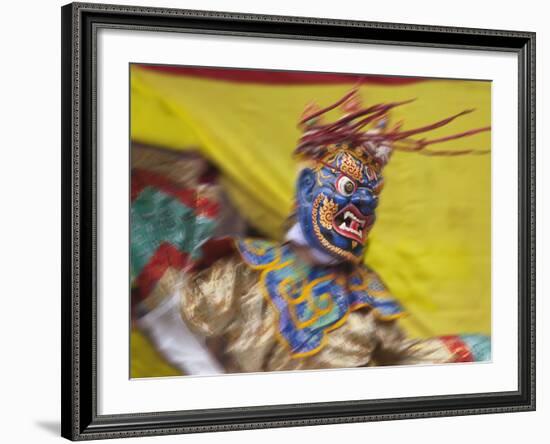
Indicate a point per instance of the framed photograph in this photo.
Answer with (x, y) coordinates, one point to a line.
(278, 221)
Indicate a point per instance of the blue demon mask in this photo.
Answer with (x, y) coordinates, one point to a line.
(337, 196)
(336, 201)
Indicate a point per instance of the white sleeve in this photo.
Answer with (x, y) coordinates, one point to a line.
(173, 339)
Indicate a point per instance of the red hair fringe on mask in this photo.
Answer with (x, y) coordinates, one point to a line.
(376, 142)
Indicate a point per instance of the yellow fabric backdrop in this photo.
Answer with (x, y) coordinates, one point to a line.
(432, 241)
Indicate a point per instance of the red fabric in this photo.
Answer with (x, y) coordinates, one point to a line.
(165, 257)
(458, 348)
(213, 250)
(168, 256)
(279, 77)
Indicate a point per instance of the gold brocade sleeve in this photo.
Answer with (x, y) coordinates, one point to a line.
(394, 348)
(225, 304)
(208, 298)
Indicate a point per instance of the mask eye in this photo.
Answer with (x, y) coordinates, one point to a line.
(345, 186)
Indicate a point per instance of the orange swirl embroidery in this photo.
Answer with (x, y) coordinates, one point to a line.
(351, 167)
(327, 212)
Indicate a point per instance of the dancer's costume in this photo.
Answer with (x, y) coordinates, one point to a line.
(249, 304)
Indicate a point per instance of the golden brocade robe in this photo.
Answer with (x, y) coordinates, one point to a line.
(230, 305)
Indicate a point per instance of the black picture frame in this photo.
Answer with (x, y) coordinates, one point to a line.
(79, 171)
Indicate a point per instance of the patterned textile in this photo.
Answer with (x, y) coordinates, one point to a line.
(170, 222)
(229, 305)
(310, 300)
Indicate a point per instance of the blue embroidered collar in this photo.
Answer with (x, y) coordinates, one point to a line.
(313, 300)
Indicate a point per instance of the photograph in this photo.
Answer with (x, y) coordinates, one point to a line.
(274, 222)
(297, 220)
(282, 221)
